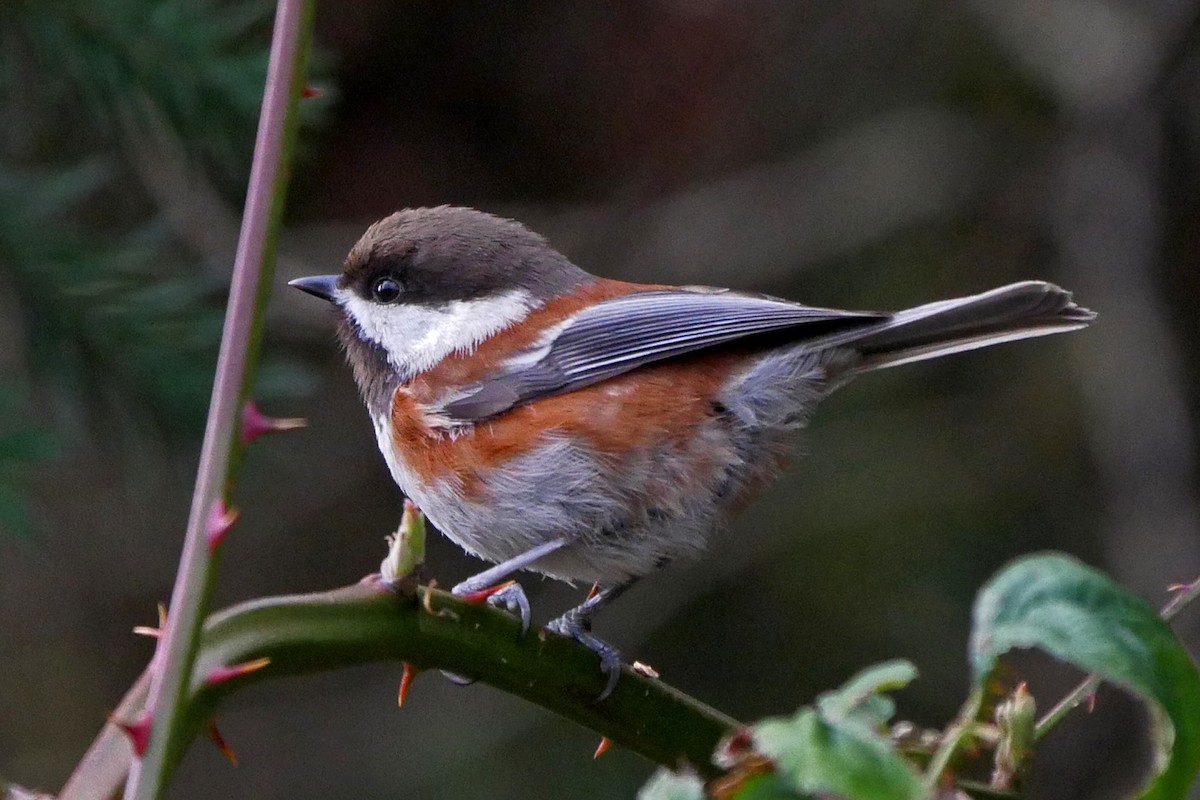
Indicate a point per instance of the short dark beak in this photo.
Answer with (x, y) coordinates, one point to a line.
(322, 286)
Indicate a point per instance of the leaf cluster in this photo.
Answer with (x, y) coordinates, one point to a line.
(842, 746)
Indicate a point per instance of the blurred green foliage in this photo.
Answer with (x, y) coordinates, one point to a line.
(114, 326)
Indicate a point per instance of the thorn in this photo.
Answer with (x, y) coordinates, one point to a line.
(602, 748)
(1176, 588)
(645, 670)
(255, 423)
(595, 590)
(427, 603)
(138, 731)
(406, 680)
(150, 630)
(1091, 702)
(427, 600)
(227, 673)
(219, 523)
(478, 598)
(309, 91)
(219, 741)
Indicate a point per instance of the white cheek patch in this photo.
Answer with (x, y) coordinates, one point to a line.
(418, 337)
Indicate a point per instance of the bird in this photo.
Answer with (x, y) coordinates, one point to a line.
(595, 430)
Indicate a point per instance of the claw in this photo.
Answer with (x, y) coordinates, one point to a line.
(508, 596)
(456, 679)
(571, 626)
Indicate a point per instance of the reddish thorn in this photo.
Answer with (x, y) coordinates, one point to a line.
(1175, 588)
(406, 680)
(138, 731)
(219, 523)
(255, 423)
(602, 748)
(1091, 702)
(594, 591)
(219, 741)
(227, 673)
(480, 597)
(309, 91)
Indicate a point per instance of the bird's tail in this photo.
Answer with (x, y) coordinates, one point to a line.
(1017, 311)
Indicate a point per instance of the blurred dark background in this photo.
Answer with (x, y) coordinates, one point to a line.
(852, 153)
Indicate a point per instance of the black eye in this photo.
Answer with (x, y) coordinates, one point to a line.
(385, 289)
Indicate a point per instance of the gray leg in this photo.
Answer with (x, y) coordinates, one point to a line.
(511, 596)
(577, 624)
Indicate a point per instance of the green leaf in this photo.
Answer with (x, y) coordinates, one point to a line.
(815, 756)
(667, 785)
(860, 699)
(766, 786)
(839, 747)
(836, 748)
(1076, 614)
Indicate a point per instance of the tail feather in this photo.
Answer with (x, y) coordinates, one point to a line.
(1017, 311)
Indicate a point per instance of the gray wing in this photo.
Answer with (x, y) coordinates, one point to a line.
(622, 334)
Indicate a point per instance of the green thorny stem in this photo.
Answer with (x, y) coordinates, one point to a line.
(171, 669)
(428, 629)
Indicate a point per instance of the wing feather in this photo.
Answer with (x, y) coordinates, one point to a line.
(619, 335)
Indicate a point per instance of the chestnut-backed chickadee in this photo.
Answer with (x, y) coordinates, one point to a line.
(591, 429)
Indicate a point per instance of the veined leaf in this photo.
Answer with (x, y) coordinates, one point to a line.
(815, 756)
(1074, 613)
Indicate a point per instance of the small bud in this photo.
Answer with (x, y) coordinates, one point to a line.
(219, 523)
(734, 748)
(138, 731)
(602, 748)
(1015, 717)
(216, 738)
(227, 673)
(255, 423)
(307, 92)
(406, 680)
(406, 547)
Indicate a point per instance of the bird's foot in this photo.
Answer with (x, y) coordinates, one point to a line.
(576, 624)
(508, 596)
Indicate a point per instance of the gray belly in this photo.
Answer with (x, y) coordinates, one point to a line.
(629, 516)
